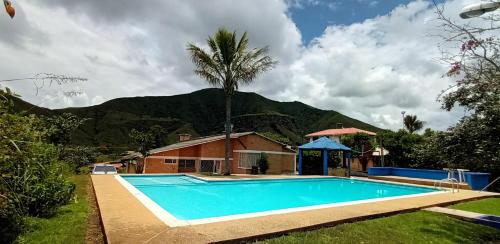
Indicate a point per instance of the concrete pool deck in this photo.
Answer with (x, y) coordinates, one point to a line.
(126, 220)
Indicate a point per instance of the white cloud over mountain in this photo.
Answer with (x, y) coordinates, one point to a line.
(371, 70)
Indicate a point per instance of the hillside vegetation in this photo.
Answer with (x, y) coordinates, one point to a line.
(200, 113)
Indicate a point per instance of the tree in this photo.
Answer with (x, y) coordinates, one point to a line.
(474, 61)
(359, 142)
(412, 124)
(145, 141)
(80, 156)
(229, 64)
(157, 132)
(60, 128)
(401, 146)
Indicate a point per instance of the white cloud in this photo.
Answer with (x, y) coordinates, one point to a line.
(370, 70)
(375, 69)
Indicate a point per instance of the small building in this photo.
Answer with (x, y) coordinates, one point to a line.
(130, 159)
(206, 155)
(336, 134)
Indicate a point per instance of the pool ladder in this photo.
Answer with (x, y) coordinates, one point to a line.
(454, 183)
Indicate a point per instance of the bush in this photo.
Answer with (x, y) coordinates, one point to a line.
(32, 178)
(79, 157)
(35, 182)
(11, 223)
(263, 164)
(85, 170)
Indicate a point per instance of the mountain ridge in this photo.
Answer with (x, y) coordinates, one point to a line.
(200, 113)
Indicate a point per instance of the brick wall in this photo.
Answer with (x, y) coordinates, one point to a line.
(158, 165)
(278, 163)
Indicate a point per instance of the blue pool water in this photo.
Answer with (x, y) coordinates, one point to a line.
(188, 198)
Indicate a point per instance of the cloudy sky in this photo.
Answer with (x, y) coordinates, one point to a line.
(365, 58)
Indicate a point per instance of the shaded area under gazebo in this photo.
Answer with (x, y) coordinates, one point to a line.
(325, 145)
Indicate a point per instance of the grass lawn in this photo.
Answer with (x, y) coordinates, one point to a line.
(69, 225)
(484, 206)
(417, 227)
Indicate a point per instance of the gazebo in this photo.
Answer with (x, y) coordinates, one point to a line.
(325, 145)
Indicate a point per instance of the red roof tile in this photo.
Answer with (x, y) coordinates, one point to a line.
(339, 132)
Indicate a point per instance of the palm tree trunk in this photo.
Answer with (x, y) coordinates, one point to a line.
(227, 164)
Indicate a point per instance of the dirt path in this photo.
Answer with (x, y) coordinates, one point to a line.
(94, 228)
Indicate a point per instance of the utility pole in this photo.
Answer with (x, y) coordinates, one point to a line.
(381, 152)
(403, 115)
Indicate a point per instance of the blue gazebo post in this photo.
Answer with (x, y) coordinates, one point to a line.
(344, 163)
(300, 161)
(349, 164)
(325, 161)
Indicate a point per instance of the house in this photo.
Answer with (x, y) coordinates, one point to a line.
(336, 134)
(206, 155)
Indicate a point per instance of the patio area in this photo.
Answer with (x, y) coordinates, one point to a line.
(126, 220)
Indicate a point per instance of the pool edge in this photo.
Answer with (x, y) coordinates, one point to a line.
(171, 221)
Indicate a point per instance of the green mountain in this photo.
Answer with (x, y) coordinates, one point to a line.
(200, 113)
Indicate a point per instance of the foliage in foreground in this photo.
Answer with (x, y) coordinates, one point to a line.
(473, 143)
(68, 225)
(418, 227)
(32, 181)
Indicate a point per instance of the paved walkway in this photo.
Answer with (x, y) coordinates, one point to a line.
(486, 219)
(417, 181)
(126, 220)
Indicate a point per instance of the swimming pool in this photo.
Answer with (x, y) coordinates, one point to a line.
(187, 198)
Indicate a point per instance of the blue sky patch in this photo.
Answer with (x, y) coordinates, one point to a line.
(313, 16)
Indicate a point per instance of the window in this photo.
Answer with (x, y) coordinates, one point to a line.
(170, 161)
(207, 166)
(186, 163)
(247, 160)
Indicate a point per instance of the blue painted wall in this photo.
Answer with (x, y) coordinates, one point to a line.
(476, 180)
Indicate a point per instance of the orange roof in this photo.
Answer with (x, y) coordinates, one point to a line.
(339, 132)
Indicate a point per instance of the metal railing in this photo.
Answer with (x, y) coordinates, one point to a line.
(490, 184)
(454, 184)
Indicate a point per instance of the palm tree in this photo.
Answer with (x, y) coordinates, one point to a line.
(412, 124)
(228, 64)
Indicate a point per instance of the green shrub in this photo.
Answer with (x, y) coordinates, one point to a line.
(11, 223)
(35, 182)
(263, 164)
(32, 178)
(79, 157)
(85, 170)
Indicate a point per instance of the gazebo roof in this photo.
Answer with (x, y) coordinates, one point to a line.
(324, 143)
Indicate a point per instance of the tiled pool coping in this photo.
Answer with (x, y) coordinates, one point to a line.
(171, 221)
(127, 220)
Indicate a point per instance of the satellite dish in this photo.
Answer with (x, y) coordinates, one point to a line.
(478, 9)
(8, 7)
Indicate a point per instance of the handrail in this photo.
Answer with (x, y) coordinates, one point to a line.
(454, 183)
(490, 184)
